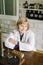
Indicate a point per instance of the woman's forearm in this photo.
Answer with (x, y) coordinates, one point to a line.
(13, 41)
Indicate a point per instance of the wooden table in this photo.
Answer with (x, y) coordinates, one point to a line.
(32, 58)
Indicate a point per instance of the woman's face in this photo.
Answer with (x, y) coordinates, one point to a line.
(22, 28)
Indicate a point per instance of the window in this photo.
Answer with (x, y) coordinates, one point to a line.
(9, 9)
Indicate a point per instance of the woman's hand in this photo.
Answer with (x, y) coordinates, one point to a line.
(13, 41)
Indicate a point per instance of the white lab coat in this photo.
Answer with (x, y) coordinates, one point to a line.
(27, 43)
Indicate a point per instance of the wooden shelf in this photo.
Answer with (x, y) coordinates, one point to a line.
(33, 9)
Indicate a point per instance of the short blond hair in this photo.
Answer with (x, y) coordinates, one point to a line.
(21, 21)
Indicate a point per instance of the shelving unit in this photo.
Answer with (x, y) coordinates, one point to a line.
(32, 9)
(35, 9)
(34, 14)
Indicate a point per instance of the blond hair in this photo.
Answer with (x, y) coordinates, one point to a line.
(21, 21)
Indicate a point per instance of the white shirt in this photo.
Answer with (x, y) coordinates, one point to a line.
(27, 43)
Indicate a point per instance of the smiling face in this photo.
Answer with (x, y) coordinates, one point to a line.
(22, 28)
(22, 25)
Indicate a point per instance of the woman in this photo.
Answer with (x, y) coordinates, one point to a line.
(22, 38)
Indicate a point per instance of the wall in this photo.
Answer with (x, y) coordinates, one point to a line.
(7, 25)
(37, 27)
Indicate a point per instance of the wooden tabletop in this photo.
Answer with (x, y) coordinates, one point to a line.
(32, 58)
